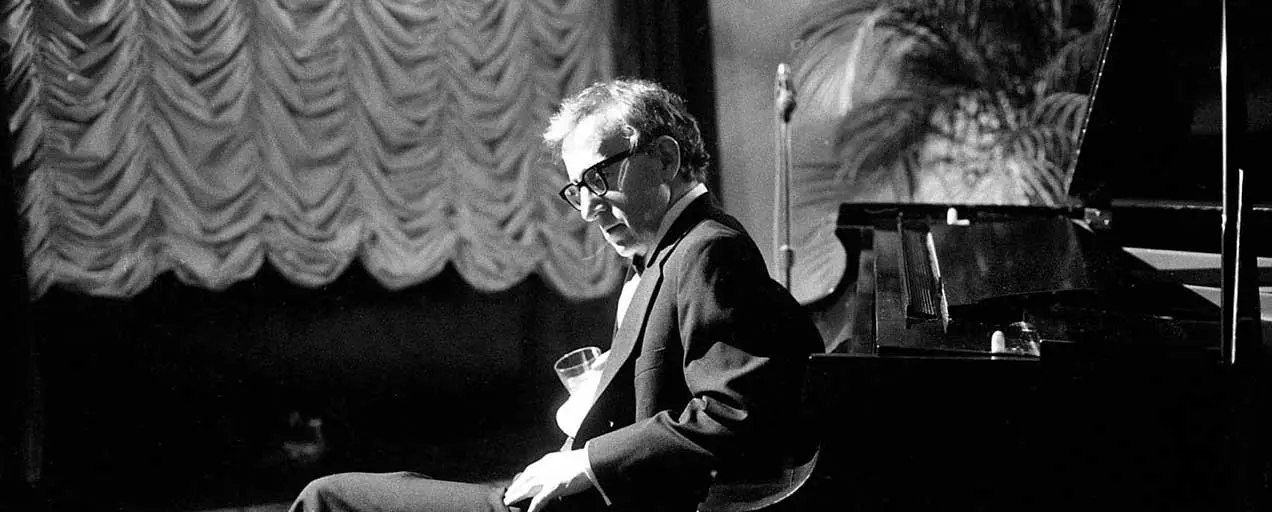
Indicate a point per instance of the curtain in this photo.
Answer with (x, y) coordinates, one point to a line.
(669, 41)
(206, 137)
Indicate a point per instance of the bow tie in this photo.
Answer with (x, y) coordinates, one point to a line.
(638, 264)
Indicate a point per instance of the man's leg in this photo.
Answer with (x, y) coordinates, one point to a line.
(396, 492)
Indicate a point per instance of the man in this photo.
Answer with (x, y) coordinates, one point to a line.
(701, 387)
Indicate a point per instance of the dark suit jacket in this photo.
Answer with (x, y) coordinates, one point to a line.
(705, 371)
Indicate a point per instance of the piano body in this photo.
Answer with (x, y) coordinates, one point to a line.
(1127, 403)
(1123, 406)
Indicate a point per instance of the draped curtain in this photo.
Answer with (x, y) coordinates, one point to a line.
(668, 41)
(206, 137)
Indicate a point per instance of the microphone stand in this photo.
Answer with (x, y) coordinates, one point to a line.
(784, 105)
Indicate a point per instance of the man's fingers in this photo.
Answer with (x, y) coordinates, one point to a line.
(509, 498)
(518, 496)
(518, 491)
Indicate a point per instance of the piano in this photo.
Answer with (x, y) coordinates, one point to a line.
(1121, 403)
(1000, 357)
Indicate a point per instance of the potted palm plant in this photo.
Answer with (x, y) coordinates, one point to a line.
(953, 101)
(935, 101)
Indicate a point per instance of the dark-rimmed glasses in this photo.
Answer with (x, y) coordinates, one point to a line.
(594, 179)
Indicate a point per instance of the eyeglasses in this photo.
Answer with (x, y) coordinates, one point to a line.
(593, 179)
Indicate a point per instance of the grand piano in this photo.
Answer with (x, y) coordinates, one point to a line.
(990, 357)
(1114, 394)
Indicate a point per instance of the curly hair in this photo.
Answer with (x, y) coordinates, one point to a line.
(639, 109)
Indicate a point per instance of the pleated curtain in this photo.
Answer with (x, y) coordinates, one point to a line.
(208, 137)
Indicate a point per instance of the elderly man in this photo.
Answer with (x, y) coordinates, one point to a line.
(700, 389)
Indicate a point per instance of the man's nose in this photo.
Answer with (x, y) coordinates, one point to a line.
(590, 204)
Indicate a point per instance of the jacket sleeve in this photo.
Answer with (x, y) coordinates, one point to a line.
(745, 344)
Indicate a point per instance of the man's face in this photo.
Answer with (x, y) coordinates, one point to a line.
(629, 214)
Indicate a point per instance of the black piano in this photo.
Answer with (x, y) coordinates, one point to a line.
(1112, 394)
(990, 357)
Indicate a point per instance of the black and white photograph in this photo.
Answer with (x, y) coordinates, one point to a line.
(636, 255)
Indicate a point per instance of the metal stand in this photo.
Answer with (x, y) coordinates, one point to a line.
(784, 106)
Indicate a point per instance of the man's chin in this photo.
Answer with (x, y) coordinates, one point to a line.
(623, 243)
(623, 250)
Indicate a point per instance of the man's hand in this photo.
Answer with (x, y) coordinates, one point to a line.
(555, 475)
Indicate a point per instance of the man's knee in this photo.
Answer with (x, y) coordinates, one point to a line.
(318, 494)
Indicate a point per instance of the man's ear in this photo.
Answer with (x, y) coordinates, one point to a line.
(668, 152)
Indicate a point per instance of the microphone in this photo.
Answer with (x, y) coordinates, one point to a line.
(785, 93)
(784, 106)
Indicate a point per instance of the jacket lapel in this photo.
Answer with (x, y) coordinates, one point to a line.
(631, 331)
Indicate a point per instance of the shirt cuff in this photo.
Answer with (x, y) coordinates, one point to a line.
(587, 468)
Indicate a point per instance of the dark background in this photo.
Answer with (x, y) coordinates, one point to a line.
(182, 396)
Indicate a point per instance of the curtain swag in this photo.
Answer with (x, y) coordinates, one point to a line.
(205, 137)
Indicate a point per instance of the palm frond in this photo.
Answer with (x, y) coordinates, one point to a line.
(931, 44)
(1040, 157)
(1073, 65)
(880, 133)
(1064, 110)
(987, 44)
(982, 149)
(828, 49)
(1065, 113)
